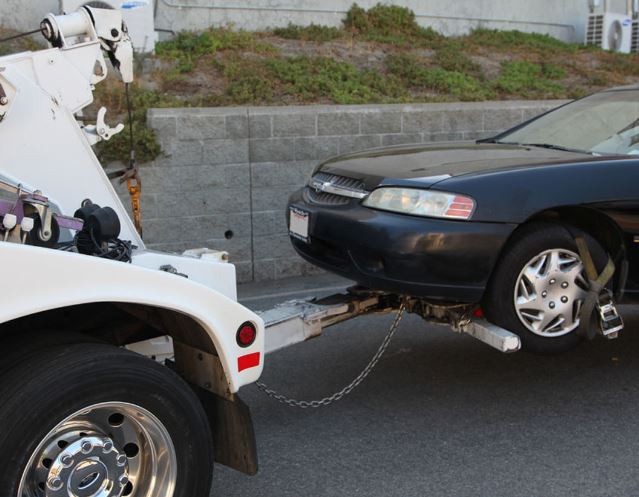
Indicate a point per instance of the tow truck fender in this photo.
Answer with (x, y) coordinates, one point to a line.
(37, 280)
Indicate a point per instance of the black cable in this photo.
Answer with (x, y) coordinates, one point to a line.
(129, 108)
(115, 249)
(21, 35)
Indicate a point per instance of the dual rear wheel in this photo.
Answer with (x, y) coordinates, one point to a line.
(92, 420)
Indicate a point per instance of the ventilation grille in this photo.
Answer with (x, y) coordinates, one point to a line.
(343, 181)
(634, 47)
(594, 34)
(324, 198)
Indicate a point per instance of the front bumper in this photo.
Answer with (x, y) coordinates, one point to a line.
(421, 257)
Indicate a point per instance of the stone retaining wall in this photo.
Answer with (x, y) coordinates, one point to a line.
(227, 172)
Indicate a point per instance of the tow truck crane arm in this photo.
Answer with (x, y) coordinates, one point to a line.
(88, 24)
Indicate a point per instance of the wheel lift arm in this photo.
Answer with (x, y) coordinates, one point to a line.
(300, 320)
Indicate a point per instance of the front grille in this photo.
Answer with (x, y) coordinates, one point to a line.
(343, 181)
(634, 47)
(594, 33)
(325, 198)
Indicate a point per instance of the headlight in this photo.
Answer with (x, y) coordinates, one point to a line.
(421, 202)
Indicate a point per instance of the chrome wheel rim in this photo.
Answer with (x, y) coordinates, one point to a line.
(111, 449)
(549, 293)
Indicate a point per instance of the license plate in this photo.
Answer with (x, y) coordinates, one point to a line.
(298, 225)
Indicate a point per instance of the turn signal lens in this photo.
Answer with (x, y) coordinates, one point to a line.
(246, 335)
(421, 202)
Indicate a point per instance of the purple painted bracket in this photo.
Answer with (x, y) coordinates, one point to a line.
(17, 208)
(72, 223)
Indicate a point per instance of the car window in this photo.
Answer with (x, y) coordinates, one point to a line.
(605, 123)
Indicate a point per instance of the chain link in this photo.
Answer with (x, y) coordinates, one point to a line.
(326, 401)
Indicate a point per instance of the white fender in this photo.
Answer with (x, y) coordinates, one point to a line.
(38, 279)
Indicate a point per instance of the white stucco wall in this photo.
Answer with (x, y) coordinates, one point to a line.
(564, 19)
(25, 15)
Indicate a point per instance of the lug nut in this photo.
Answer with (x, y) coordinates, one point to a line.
(87, 447)
(107, 447)
(4, 101)
(544, 294)
(564, 299)
(553, 281)
(55, 484)
(123, 480)
(67, 461)
(564, 284)
(121, 460)
(551, 305)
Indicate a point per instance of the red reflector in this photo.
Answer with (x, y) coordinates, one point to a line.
(463, 200)
(478, 313)
(457, 213)
(460, 208)
(248, 361)
(246, 335)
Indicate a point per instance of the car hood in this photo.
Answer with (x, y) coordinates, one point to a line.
(430, 164)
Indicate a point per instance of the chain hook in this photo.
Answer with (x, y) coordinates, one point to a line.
(134, 185)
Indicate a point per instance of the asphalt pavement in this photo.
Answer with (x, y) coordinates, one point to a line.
(441, 415)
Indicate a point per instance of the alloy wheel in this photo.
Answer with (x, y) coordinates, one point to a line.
(110, 449)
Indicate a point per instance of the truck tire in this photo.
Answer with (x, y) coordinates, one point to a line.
(80, 419)
(532, 301)
(16, 347)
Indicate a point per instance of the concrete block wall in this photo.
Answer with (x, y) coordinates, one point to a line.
(226, 173)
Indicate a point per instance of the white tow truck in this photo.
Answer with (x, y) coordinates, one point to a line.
(80, 415)
(120, 366)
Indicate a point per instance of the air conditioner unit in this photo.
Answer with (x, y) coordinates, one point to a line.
(137, 14)
(610, 31)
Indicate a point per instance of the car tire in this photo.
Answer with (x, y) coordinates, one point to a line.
(92, 415)
(507, 298)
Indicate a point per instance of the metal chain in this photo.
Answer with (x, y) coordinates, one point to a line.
(326, 401)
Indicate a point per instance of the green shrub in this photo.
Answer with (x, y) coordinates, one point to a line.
(314, 78)
(416, 74)
(389, 24)
(507, 40)
(249, 80)
(314, 32)
(145, 142)
(551, 71)
(454, 83)
(383, 19)
(452, 58)
(187, 47)
(250, 89)
(209, 42)
(526, 79)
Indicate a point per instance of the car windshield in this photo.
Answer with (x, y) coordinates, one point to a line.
(606, 123)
